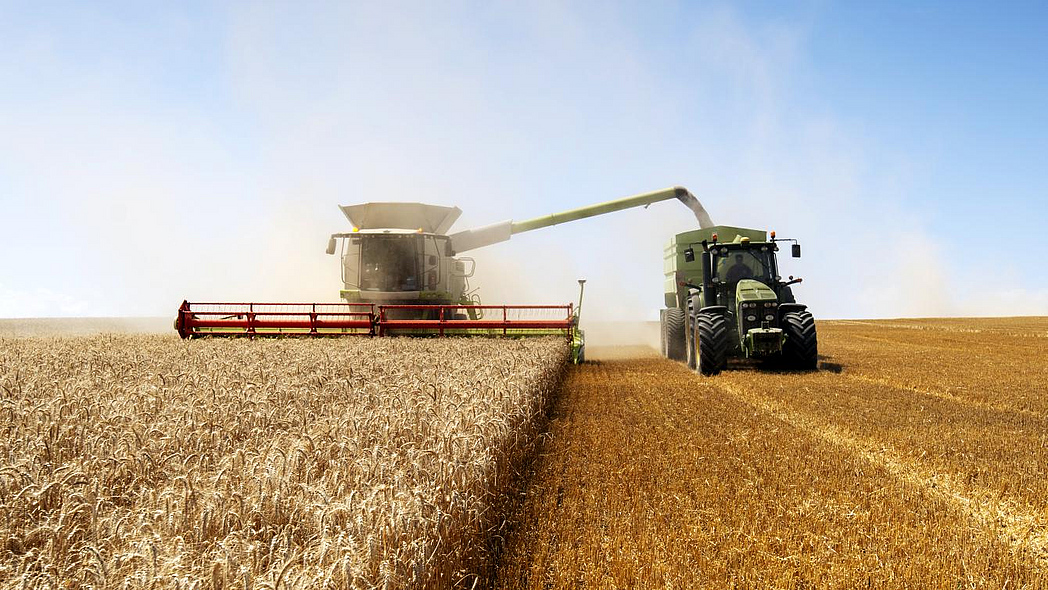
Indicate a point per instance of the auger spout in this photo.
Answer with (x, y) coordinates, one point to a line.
(502, 231)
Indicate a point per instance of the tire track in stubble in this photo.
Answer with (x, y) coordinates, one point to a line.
(956, 399)
(1014, 523)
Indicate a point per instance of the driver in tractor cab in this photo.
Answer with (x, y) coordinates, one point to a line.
(739, 271)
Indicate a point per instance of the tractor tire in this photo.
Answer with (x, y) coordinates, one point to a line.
(676, 339)
(801, 350)
(693, 355)
(711, 340)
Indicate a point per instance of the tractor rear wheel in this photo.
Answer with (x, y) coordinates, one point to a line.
(801, 350)
(676, 339)
(711, 340)
(692, 344)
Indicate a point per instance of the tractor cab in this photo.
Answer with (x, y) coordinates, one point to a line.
(731, 264)
(730, 272)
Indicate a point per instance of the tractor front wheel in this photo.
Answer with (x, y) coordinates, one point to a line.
(711, 341)
(801, 350)
(673, 332)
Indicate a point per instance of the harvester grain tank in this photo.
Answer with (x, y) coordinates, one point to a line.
(725, 299)
(403, 274)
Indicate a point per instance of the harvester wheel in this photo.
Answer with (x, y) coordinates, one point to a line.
(676, 339)
(801, 350)
(711, 339)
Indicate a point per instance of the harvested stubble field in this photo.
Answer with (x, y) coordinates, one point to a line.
(144, 461)
(917, 457)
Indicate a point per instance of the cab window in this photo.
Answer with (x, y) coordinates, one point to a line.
(389, 264)
(733, 266)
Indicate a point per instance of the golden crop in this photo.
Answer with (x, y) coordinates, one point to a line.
(145, 461)
(916, 458)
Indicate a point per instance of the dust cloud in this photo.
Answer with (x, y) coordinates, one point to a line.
(83, 326)
(620, 334)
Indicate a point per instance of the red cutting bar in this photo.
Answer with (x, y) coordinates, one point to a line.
(505, 323)
(337, 319)
(276, 319)
(567, 308)
(477, 324)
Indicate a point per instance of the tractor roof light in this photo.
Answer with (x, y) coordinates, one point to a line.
(356, 229)
(714, 238)
(773, 234)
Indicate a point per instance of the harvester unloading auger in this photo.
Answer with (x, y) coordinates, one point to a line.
(402, 275)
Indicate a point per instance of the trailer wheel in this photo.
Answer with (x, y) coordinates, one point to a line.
(801, 350)
(662, 332)
(676, 339)
(711, 339)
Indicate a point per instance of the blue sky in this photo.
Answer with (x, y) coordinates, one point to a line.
(154, 153)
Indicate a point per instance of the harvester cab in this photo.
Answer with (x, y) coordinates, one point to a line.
(399, 253)
(726, 298)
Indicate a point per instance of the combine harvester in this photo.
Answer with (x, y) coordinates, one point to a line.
(402, 274)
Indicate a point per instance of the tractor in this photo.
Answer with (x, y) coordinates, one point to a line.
(726, 300)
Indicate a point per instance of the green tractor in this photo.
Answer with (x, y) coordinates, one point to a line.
(725, 299)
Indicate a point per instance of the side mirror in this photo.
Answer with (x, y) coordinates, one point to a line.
(331, 245)
(796, 250)
(689, 255)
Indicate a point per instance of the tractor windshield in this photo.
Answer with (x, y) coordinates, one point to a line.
(389, 263)
(733, 265)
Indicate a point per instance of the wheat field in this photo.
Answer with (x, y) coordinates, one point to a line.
(916, 457)
(149, 462)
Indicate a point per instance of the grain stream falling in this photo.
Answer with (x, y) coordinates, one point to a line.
(148, 462)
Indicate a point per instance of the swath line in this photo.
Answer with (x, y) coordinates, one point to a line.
(944, 396)
(1013, 523)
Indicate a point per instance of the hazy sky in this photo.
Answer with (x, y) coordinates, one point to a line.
(150, 154)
